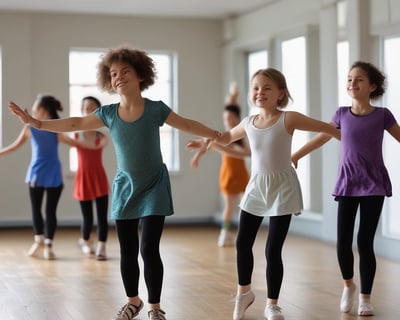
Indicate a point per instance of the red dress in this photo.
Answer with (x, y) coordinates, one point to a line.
(90, 179)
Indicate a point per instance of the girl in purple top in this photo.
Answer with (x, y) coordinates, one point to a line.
(363, 180)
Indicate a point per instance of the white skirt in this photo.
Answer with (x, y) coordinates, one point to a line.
(273, 194)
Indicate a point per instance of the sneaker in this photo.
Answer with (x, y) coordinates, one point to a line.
(273, 312)
(226, 238)
(85, 246)
(129, 311)
(48, 253)
(366, 309)
(101, 251)
(242, 302)
(346, 302)
(156, 314)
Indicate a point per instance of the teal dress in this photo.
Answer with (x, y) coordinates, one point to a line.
(141, 186)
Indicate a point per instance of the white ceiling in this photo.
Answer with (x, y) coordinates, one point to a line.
(164, 8)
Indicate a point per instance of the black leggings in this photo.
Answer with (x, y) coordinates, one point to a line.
(102, 222)
(277, 232)
(370, 211)
(49, 225)
(151, 231)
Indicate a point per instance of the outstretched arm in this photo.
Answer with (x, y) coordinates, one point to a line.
(232, 150)
(316, 142)
(191, 126)
(21, 139)
(232, 135)
(89, 122)
(298, 121)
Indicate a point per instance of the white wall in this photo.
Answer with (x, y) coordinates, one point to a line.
(35, 51)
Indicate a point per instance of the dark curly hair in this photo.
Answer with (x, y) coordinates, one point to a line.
(375, 76)
(137, 59)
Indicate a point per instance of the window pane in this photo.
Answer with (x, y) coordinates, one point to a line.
(255, 61)
(343, 69)
(294, 69)
(83, 82)
(391, 220)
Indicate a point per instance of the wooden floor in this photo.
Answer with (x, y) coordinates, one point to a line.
(200, 280)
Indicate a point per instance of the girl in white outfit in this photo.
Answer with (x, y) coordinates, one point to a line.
(273, 190)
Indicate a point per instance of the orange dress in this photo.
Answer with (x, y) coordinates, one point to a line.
(233, 176)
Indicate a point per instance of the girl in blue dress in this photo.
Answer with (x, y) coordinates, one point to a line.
(44, 174)
(141, 187)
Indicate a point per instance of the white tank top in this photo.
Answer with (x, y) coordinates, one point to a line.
(270, 147)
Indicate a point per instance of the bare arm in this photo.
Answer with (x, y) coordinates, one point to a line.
(204, 145)
(395, 131)
(201, 144)
(89, 122)
(232, 150)
(316, 142)
(234, 134)
(298, 121)
(191, 126)
(99, 143)
(21, 139)
(63, 138)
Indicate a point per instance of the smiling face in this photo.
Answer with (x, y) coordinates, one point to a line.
(124, 78)
(265, 92)
(358, 84)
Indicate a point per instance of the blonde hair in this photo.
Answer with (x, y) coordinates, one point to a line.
(279, 79)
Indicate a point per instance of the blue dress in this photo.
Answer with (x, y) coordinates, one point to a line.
(45, 167)
(141, 186)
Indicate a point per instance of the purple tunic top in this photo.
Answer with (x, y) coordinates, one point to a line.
(362, 171)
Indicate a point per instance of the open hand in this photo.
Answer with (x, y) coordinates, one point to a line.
(195, 144)
(23, 115)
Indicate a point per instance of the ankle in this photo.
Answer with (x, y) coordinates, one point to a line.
(38, 238)
(364, 298)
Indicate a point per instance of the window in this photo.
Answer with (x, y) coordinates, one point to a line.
(391, 218)
(343, 69)
(256, 60)
(83, 82)
(294, 69)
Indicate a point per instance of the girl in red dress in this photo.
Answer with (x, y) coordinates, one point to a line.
(91, 184)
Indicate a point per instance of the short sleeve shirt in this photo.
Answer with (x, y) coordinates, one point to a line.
(141, 186)
(362, 171)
